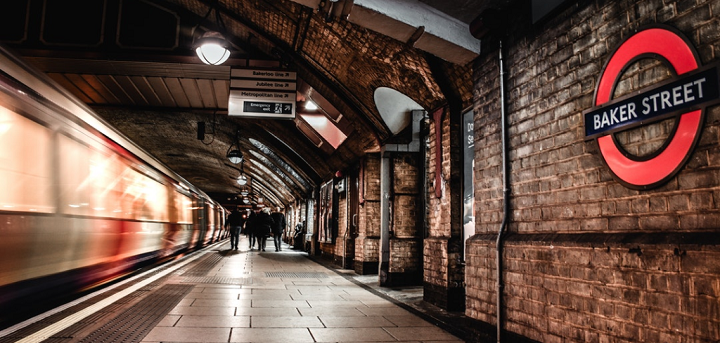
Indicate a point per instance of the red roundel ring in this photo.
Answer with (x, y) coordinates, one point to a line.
(651, 172)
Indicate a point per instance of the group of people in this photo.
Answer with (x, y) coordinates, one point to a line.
(258, 227)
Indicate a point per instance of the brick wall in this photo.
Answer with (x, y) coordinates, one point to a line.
(404, 256)
(587, 259)
(406, 187)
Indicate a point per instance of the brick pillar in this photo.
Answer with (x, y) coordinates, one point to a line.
(444, 273)
(367, 242)
(340, 244)
(404, 266)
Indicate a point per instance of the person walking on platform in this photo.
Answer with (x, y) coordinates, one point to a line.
(264, 223)
(234, 223)
(251, 228)
(278, 228)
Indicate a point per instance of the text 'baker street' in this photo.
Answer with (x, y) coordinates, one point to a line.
(687, 91)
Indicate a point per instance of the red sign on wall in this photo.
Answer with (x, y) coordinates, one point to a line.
(683, 97)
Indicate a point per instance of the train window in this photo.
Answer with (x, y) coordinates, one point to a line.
(25, 173)
(183, 208)
(74, 169)
(211, 215)
(145, 198)
(89, 183)
(97, 182)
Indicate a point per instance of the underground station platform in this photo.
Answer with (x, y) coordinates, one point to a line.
(223, 295)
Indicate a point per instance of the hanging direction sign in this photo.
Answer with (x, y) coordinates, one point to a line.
(267, 107)
(264, 74)
(262, 93)
(263, 84)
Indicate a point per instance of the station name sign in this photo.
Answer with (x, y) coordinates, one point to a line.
(684, 93)
(684, 98)
(262, 93)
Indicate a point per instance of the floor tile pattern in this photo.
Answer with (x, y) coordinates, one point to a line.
(254, 296)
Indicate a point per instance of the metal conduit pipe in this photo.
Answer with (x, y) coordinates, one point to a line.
(348, 222)
(506, 195)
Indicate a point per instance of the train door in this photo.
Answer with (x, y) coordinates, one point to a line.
(200, 221)
(210, 224)
(221, 214)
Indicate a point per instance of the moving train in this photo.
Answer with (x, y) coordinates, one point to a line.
(80, 204)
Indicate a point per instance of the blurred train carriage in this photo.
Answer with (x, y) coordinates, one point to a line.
(80, 203)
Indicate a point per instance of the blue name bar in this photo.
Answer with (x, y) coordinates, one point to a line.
(682, 94)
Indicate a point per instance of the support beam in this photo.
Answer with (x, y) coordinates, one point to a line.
(441, 34)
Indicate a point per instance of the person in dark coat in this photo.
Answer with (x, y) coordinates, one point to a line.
(263, 227)
(250, 228)
(278, 228)
(234, 222)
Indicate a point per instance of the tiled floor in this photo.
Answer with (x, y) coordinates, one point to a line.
(301, 301)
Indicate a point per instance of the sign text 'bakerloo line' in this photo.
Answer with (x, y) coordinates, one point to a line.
(684, 93)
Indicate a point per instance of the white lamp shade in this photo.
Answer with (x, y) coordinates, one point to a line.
(242, 180)
(211, 48)
(235, 156)
(212, 54)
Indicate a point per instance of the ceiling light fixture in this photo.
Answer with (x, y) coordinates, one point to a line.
(212, 48)
(242, 180)
(235, 155)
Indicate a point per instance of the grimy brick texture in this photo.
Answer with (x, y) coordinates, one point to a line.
(343, 234)
(439, 208)
(587, 259)
(405, 237)
(367, 243)
(443, 271)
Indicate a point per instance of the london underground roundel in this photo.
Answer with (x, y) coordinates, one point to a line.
(683, 97)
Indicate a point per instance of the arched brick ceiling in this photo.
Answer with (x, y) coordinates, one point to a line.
(135, 88)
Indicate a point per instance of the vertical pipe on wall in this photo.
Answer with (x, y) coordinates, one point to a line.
(506, 195)
(385, 179)
(424, 133)
(347, 220)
